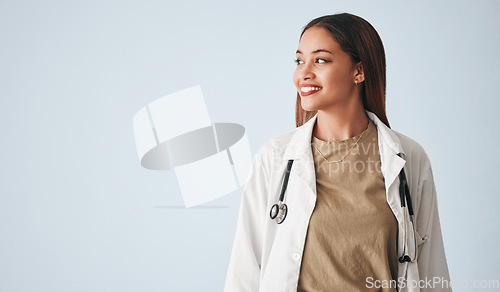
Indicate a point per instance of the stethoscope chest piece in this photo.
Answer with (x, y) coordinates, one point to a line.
(278, 212)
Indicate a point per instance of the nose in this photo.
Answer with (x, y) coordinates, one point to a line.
(306, 71)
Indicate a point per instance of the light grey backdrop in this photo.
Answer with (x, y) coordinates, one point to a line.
(79, 213)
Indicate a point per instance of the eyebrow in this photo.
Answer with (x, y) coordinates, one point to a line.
(317, 51)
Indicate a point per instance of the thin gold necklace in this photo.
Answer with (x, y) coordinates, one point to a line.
(352, 147)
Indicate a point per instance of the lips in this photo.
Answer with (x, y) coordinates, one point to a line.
(308, 89)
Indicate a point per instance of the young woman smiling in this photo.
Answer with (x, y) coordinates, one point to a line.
(360, 211)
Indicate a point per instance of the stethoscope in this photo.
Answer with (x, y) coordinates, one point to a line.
(280, 209)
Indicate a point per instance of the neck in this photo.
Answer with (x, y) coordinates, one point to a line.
(340, 123)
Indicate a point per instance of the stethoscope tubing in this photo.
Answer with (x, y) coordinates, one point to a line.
(279, 210)
(285, 182)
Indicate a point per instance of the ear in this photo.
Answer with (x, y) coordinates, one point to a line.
(359, 73)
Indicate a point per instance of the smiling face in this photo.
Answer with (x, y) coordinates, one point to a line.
(325, 75)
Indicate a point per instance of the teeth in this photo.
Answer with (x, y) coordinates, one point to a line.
(307, 89)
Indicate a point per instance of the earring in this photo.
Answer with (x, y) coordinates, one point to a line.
(356, 82)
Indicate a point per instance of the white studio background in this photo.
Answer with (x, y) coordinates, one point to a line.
(79, 213)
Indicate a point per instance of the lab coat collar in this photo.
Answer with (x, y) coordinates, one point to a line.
(299, 148)
(301, 139)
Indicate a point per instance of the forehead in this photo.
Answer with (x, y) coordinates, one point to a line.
(317, 38)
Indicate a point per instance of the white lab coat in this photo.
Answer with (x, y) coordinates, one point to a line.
(267, 256)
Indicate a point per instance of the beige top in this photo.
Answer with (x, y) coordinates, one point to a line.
(352, 232)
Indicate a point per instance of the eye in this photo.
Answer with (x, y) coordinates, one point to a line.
(298, 61)
(320, 61)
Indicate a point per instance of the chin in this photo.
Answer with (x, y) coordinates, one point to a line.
(308, 106)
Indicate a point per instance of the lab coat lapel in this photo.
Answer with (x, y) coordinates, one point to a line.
(299, 149)
(391, 163)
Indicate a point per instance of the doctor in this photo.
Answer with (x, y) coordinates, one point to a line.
(347, 226)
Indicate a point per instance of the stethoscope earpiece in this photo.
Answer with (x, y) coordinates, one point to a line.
(405, 258)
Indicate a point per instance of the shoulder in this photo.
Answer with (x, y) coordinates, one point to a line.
(275, 147)
(419, 175)
(418, 171)
(269, 156)
(414, 152)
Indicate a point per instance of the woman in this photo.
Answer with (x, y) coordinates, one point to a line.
(353, 184)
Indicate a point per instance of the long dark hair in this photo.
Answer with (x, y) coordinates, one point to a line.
(362, 43)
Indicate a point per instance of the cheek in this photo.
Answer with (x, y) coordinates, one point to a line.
(338, 77)
(295, 78)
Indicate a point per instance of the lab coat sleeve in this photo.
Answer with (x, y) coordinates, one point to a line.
(431, 259)
(244, 266)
